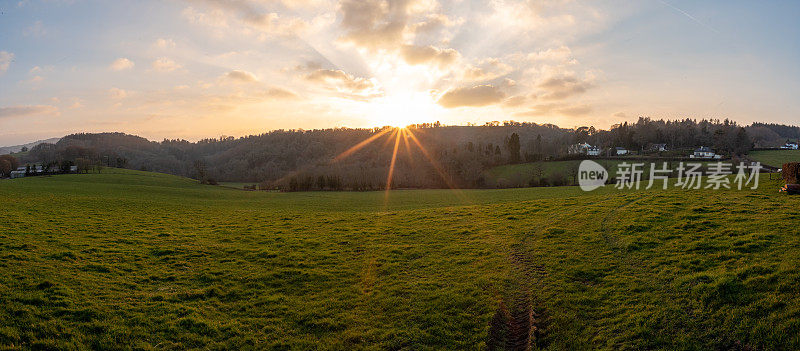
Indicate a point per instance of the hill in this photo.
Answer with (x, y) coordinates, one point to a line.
(17, 148)
(158, 261)
(357, 159)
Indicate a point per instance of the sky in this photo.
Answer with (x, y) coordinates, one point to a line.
(204, 68)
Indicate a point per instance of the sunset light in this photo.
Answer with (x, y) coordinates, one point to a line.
(498, 175)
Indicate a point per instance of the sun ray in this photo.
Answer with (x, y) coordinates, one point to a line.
(436, 166)
(394, 160)
(362, 144)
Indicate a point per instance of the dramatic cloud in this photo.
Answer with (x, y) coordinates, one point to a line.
(21, 111)
(376, 24)
(5, 61)
(164, 64)
(240, 76)
(121, 64)
(476, 96)
(416, 55)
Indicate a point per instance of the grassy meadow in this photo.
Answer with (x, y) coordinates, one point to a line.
(775, 158)
(136, 260)
(516, 175)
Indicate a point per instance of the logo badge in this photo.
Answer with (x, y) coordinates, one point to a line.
(591, 175)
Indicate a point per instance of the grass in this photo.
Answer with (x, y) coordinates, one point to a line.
(520, 174)
(129, 259)
(236, 185)
(775, 158)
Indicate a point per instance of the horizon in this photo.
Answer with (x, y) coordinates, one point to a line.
(193, 69)
(374, 127)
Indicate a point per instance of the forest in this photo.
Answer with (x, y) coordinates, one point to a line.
(427, 155)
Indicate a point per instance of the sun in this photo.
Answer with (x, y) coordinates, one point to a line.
(404, 109)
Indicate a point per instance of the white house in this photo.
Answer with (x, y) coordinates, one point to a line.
(790, 146)
(19, 173)
(704, 152)
(620, 151)
(584, 148)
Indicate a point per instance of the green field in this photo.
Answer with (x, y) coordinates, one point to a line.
(775, 158)
(139, 260)
(519, 175)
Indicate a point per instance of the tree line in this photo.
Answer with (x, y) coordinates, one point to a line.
(436, 156)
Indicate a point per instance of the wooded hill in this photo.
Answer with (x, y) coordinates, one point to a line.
(454, 155)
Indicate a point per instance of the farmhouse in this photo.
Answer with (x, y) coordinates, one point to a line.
(584, 148)
(620, 151)
(789, 146)
(19, 173)
(704, 152)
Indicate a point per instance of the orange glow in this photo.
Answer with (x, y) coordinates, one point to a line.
(394, 159)
(362, 144)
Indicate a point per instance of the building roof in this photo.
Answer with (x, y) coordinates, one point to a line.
(704, 149)
(620, 148)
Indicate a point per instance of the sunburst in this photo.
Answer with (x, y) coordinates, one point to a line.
(396, 135)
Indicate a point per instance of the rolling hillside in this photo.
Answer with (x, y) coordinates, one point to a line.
(156, 261)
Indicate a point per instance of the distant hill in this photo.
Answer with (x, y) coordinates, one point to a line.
(17, 148)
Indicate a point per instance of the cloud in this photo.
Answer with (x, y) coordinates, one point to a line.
(476, 96)
(562, 87)
(36, 30)
(248, 13)
(214, 18)
(376, 24)
(279, 93)
(162, 43)
(433, 23)
(117, 93)
(417, 55)
(559, 54)
(39, 69)
(121, 64)
(28, 110)
(5, 61)
(238, 76)
(164, 64)
(487, 69)
(345, 83)
(515, 101)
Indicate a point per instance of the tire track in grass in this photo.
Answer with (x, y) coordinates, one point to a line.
(520, 321)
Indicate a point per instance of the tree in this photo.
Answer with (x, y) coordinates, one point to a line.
(513, 148)
(742, 142)
(200, 171)
(84, 165)
(8, 163)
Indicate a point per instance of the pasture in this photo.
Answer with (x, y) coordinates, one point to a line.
(775, 158)
(136, 260)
